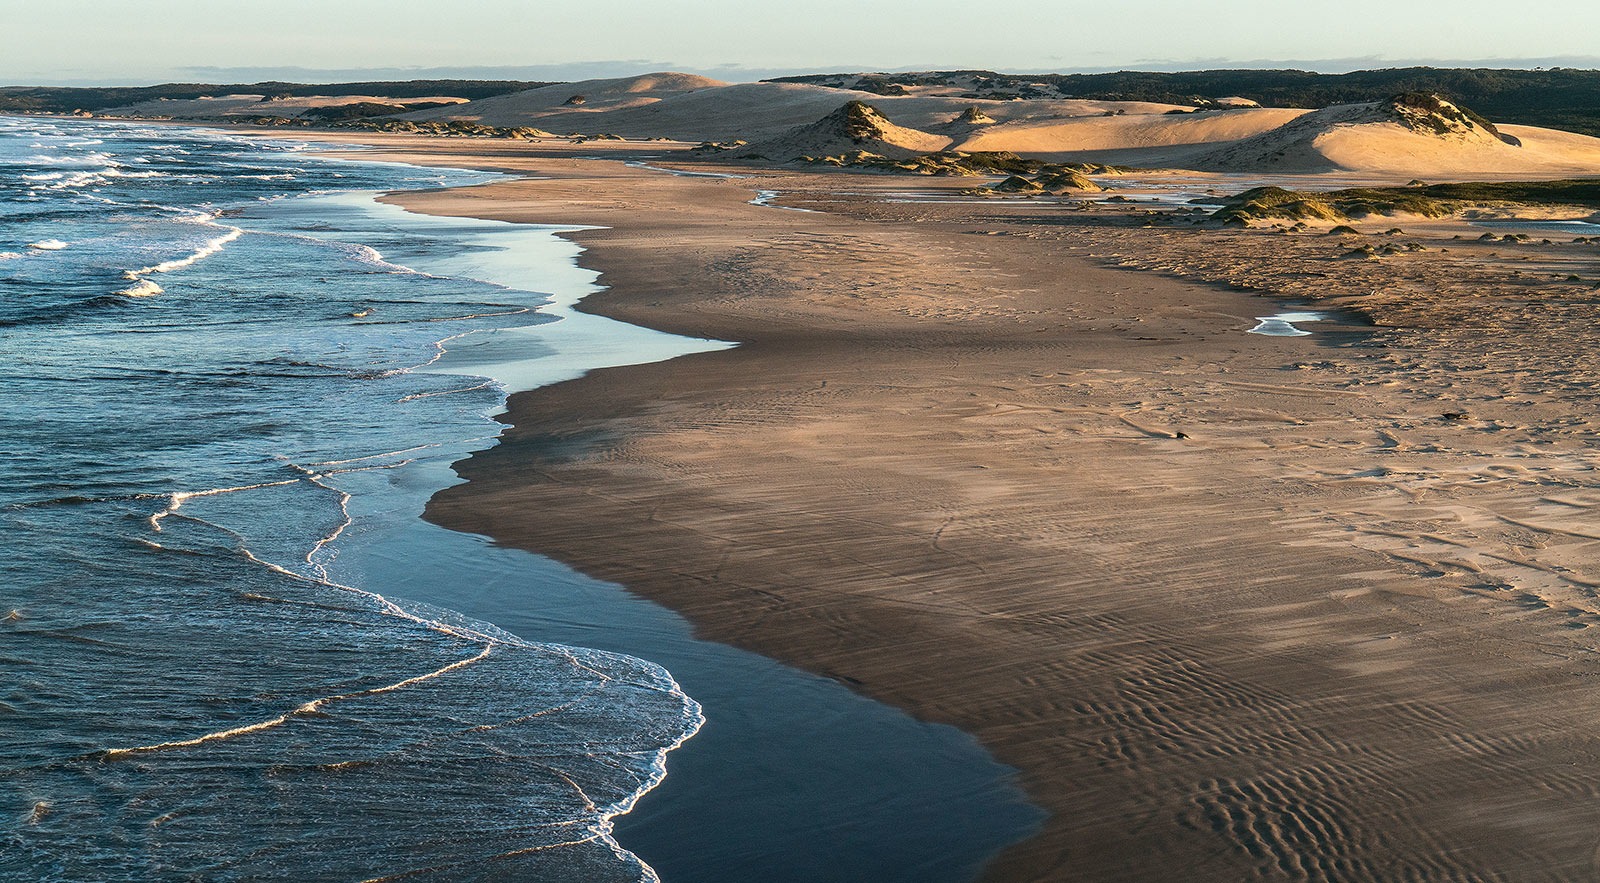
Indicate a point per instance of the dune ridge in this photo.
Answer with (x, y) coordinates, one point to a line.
(1410, 135)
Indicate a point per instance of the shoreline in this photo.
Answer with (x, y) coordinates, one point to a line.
(883, 796)
(272, 514)
(830, 494)
(555, 605)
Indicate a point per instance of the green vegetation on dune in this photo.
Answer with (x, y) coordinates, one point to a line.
(955, 163)
(1047, 177)
(859, 120)
(1430, 112)
(445, 129)
(1276, 202)
(1066, 179)
(1428, 200)
(452, 128)
(1018, 184)
(357, 111)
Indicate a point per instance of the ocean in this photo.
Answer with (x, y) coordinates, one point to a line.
(230, 649)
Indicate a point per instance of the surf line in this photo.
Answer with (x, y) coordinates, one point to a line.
(145, 287)
(311, 707)
(386, 607)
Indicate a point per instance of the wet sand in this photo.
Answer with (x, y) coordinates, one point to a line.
(1235, 605)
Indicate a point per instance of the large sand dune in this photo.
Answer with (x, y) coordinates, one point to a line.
(691, 108)
(1414, 136)
(748, 111)
(1132, 137)
(1391, 138)
(1376, 138)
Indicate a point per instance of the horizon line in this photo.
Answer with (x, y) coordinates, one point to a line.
(574, 72)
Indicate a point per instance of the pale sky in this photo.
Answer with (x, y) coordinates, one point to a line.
(148, 41)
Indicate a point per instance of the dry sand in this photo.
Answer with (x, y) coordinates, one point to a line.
(1236, 607)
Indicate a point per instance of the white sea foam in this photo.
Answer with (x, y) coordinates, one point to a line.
(117, 172)
(207, 250)
(86, 159)
(369, 255)
(176, 500)
(11, 255)
(301, 710)
(47, 245)
(143, 288)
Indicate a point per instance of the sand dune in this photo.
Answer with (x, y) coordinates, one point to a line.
(1393, 150)
(254, 105)
(689, 108)
(1361, 138)
(855, 127)
(927, 112)
(749, 111)
(582, 102)
(1132, 137)
(1384, 137)
(1416, 136)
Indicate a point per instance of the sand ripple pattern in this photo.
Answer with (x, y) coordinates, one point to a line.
(1241, 608)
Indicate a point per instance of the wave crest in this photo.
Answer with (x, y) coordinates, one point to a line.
(143, 288)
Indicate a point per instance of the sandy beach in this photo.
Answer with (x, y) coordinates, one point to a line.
(868, 443)
(1233, 605)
